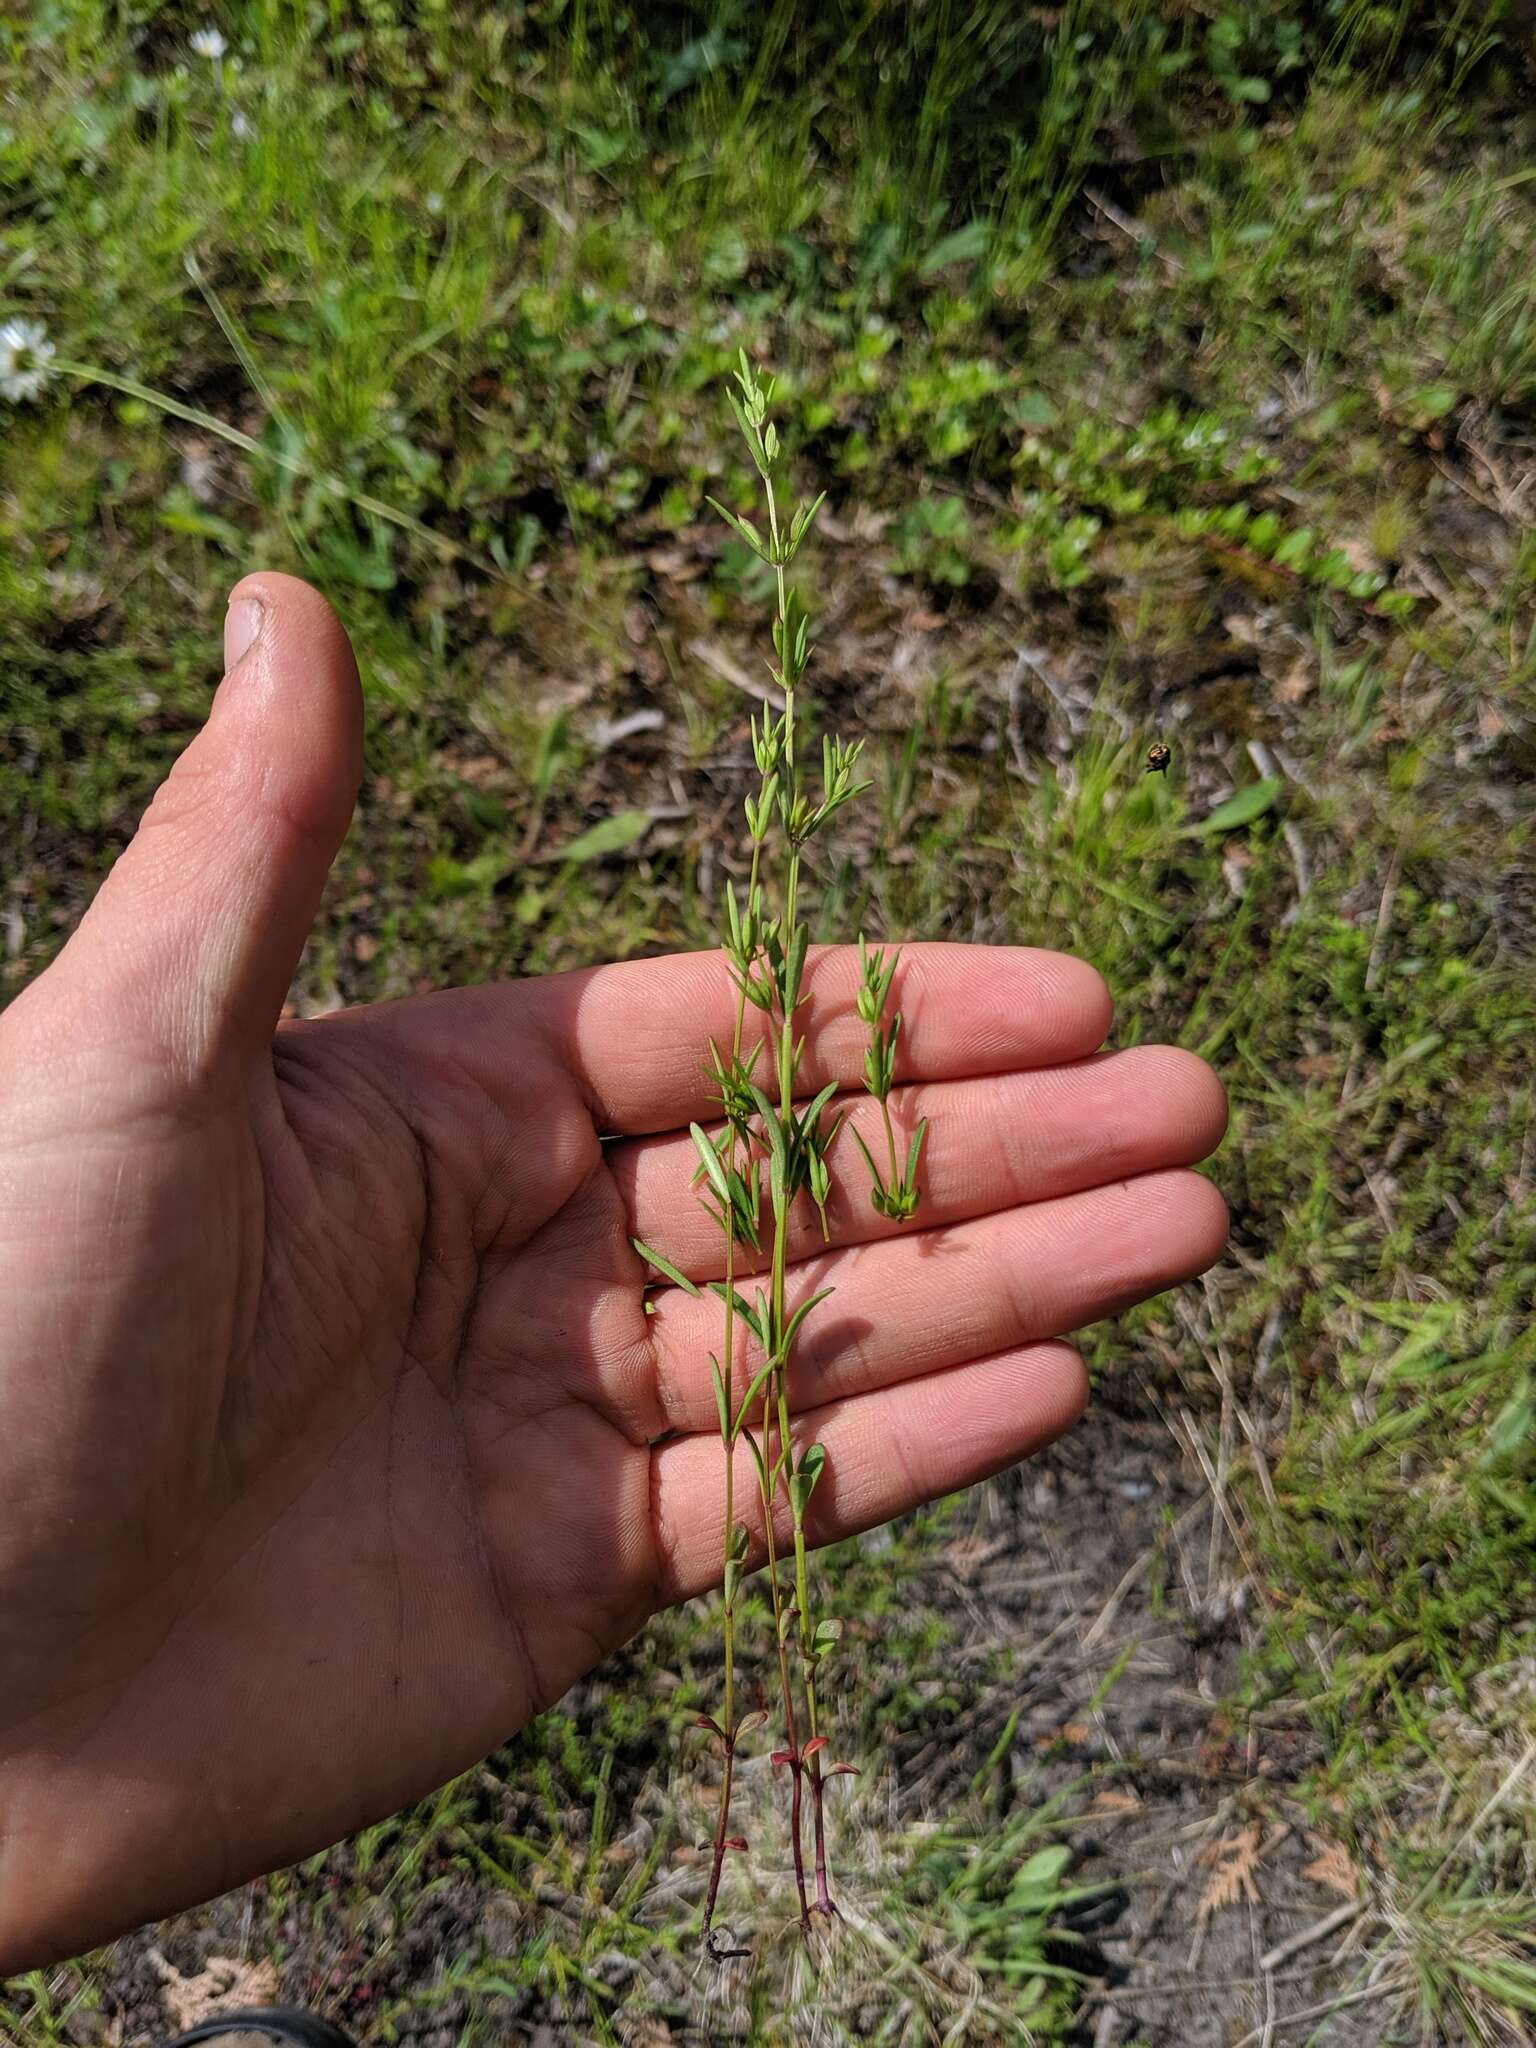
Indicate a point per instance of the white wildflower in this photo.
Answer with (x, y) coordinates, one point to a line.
(207, 42)
(25, 353)
(240, 126)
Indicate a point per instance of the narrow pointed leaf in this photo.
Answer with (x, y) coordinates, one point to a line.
(744, 1210)
(764, 1483)
(1249, 803)
(743, 529)
(772, 1124)
(710, 1160)
(664, 1266)
(812, 1113)
(722, 1399)
(752, 1393)
(802, 1482)
(794, 972)
(742, 1307)
(869, 1158)
(792, 1327)
(806, 516)
(915, 1150)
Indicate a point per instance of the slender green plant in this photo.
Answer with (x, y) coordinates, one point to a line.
(769, 1129)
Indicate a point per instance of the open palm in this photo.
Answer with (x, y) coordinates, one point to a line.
(335, 1438)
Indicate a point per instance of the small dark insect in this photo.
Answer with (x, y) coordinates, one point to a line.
(1158, 758)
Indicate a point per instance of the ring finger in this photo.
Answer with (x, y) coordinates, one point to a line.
(937, 1298)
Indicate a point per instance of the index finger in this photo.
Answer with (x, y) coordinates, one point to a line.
(636, 1036)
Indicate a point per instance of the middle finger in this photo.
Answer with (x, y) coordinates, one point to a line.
(992, 1144)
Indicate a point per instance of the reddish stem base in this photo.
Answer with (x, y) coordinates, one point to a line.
(818, 1795)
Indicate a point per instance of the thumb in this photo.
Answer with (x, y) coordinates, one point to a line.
(189, 948)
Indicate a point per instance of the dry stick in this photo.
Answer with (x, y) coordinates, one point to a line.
(1318, 1931)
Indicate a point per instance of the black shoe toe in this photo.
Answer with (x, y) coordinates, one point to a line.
(268, 2023)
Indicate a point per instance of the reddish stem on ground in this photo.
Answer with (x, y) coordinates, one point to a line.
(818, 1795)
(720, 1954)
(794, 1829)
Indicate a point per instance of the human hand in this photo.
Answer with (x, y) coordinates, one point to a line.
(335, 1441)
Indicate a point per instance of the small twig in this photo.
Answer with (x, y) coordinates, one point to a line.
(1269, 1982)
(718, 662)
(1100, 1628)
(1324, 2010)
(1383, 920)
(1269, 1342)
(1135, 230)
(1318, 1931)
(1223, 1367)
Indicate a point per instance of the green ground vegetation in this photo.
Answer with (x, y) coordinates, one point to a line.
(1171, 372)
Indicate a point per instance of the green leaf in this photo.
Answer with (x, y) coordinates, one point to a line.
(794, 968)
(1241, 809)
(869, 1160)
(722, 1399)
(743, 529)
(744, 1209)
(1034, 409)
(811, 1115)
(1043, 1871)
(664, 1266)
(742, 1307)
(758, 1460)
(964, 245)
(554, 746)
(915, 1150)
(608, 835)
(772, 1122)
(710, 1159)
(1291, 552)
(484, 811)
(185, 515)
(345, 556)
(803, 1482)
(778, 1150)
(792, 1327)
(1512, 1425)
(803, 521)
(752, 1393)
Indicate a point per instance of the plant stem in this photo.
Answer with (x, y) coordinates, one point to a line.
(769, 953)
(818, 1813)
(779, 1307)
(728, 1624)
(728, 1620)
